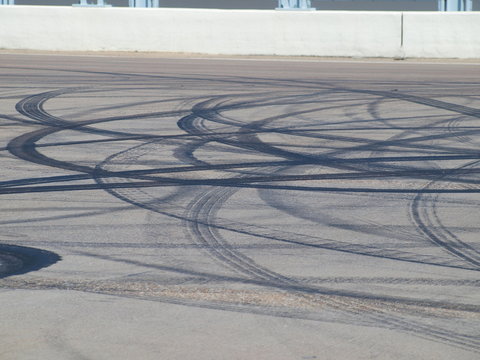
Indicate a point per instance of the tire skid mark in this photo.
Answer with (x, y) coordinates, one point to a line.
(423, 210)
(200, 216)
(422, 202)
(357, 309)
(438, 333)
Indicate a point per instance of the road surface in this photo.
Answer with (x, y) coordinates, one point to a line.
(175, 208)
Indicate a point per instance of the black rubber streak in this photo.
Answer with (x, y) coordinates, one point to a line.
(206, 124)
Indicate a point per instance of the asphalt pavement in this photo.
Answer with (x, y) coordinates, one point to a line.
(171, 207)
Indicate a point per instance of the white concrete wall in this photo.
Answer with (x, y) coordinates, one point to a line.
(242, 32)
(245, 32)
(442, 35)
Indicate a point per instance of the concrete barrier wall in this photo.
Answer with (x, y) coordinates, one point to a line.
(244, 32)
(233, 32)
(442, 35)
